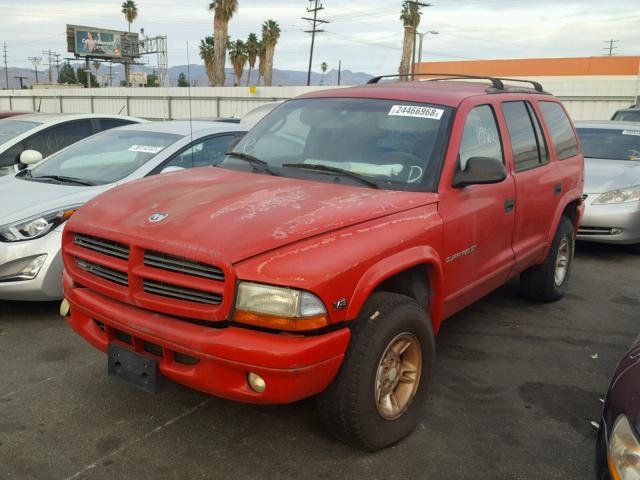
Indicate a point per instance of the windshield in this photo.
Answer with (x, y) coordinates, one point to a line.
(12, 128)
(105, 158)
(397, 144)
(627, 116)
(610, 144)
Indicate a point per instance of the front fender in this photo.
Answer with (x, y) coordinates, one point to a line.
(574, 195)
(386, 268)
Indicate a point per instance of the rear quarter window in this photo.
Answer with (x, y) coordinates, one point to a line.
(562, 135)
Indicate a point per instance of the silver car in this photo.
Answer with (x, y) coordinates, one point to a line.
(43, 134)
(612, 182)
(35, 203)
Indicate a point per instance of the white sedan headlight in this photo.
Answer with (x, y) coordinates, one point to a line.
(36, 226)
(622, 195)
(279, 308)
(624, 451)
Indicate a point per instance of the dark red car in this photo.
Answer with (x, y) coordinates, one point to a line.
(322, 255)
(618, 445)
(11, 113)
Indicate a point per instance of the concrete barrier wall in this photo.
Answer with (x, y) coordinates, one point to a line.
(586, 98)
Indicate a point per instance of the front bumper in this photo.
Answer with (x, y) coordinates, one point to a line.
(293, 367)
(599, 220)
(47, 285)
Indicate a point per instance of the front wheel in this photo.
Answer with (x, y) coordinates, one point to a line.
(548, 281)
(378, 396)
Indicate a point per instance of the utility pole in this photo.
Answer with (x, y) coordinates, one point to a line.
(36, 61)
(315, 21)
(20, 79)
(415, 33)
(6, 68)
(610, 48)
(50, 54)
(57, 55)
(339, 71)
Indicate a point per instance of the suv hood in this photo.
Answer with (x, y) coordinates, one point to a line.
(605, 175)
(21, 199)
(236, 214)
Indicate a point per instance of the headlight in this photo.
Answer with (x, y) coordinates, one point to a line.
(622, 195)
(624, 451)
(36, 226)
(278, 308)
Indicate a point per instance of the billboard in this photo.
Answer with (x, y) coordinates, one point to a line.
(99, 43)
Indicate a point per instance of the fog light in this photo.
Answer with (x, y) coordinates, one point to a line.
(32, 269)
(256, 382)
(65, 308)
(615, 231)
(23, 269)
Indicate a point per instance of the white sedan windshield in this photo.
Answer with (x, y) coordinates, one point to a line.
(105, 158)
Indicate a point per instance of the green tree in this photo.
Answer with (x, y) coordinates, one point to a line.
(323, 68)
(67, 74)
(130, 11)
(223, 11)
(270, 36)
(262, 65)
(97, 65)
(253, 49)
(152, 80)
(207, 55)
(182, 80)
(238, 56)
(410, 17)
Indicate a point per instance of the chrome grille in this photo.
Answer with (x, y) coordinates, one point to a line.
(584, 230)
(100, 245)
(181, 293)
(172, 263)
(103, 272)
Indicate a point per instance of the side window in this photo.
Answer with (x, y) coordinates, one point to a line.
(56, 138)
(109, 123)
(526, 143)
(204, 153)
(481, 137)
(564, 140)
(542, 144)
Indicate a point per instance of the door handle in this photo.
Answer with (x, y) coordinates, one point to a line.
(557, 189)
(509, 205)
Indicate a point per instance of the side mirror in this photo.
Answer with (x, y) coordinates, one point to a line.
(480, 170)
(30, 157)
(171, 169)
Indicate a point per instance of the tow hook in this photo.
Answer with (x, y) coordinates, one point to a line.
(65, 308)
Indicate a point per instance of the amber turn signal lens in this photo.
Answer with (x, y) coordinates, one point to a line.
(67, 214)
(280, 323)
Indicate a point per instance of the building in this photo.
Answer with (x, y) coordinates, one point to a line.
(591, 87)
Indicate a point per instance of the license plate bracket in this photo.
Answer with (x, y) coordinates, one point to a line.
(140, 370)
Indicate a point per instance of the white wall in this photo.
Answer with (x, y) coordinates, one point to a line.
(586, 98)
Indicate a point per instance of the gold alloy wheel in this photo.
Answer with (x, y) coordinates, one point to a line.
(562, 261)
(398, 376)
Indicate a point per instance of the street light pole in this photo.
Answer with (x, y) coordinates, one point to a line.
(432, 32)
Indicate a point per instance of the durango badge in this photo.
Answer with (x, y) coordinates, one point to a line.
(158, 217)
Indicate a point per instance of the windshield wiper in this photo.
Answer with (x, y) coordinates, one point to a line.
(328, 169)
(61, 178)
(255, 161)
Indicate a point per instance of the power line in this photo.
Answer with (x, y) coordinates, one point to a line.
(314, 29)
(35, 61)
(610, 48)
(50, 54)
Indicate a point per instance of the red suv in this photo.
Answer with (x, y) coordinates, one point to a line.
(322, 255)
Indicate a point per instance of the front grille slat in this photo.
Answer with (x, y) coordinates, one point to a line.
(182, 265)
(104, 272)
(106, 247)
(181, 293)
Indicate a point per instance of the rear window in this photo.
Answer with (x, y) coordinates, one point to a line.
(610, 144)
(627, 116)
(562, 136)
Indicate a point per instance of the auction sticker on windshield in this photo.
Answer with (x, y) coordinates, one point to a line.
(145, 149)
(414, 111)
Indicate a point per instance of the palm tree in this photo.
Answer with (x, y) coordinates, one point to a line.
(207, 55)
(223, 11)
(262, 66)
(130, 11)
(97, 65)
(270, 36)
(410, 17)
(253, 49)
(238, 56)
(323, 68)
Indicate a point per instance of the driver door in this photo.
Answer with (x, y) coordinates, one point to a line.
(478, 219)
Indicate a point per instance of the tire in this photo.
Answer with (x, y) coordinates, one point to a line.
(540, 282)
(349, 407)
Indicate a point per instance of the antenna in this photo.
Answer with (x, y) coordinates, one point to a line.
(189, 93)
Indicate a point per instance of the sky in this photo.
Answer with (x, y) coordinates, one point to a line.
(365, 34)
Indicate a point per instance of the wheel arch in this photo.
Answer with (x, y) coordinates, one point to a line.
(413, 272)
(570, 207)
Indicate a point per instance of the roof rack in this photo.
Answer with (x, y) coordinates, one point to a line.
(496, 82)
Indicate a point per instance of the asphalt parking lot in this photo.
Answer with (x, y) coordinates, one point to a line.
(516, 386)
